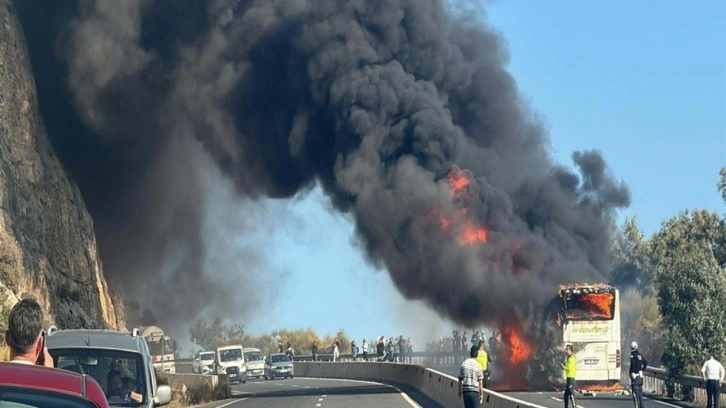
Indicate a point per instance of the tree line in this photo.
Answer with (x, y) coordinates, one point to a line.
(673, 287)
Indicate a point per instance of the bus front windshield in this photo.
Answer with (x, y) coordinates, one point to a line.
(159, 347)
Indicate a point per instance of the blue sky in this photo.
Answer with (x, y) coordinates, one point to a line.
(643, 82)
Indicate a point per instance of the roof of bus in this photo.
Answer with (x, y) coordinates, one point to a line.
(587, 287)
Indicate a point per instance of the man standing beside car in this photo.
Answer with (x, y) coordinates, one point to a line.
(25, 337)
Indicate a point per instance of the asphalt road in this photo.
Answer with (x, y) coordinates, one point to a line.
(318, 393)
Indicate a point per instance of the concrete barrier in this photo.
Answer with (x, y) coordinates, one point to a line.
(439, 387)
(187, 381)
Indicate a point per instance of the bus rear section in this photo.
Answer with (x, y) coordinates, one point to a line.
(591, 324)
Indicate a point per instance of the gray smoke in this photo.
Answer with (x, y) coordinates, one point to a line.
(376, 100)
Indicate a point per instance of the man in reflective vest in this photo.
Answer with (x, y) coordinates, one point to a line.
(484, 359)
(569, 367)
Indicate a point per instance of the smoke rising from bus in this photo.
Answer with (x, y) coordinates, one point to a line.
(376, 101)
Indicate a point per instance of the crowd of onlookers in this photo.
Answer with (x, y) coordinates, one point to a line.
(381, 349)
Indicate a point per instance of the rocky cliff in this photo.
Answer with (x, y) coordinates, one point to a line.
(47, 242)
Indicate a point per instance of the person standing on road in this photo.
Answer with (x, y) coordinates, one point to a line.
(336, 349)
(364, 348)
(471, 380)
(314, 351)
(569, 367)
(484, 359)
(713, 372)
(638, 364)
(25, 337)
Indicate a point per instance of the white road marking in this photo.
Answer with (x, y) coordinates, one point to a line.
(318, 404)
(408, 399)
(320, 399)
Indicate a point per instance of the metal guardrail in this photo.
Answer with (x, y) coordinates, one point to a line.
(687, 380)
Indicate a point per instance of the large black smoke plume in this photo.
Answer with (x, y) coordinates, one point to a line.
(375, 99)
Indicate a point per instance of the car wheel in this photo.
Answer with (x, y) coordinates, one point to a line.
(292, 376)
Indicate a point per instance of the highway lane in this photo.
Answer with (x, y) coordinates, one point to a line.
(600, 400)
(319, 393)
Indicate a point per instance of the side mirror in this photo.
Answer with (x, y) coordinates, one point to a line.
(163, 395)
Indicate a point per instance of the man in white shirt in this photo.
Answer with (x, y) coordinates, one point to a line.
(713, 372)
(471, 380)
(25, 337)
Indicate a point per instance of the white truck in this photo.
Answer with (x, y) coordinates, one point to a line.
(204, 362)
(161, 347)
(231, 361)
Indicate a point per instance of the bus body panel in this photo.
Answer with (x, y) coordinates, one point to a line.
(596, 346)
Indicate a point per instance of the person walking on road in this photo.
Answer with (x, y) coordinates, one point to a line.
(713, 372)
(471, 380)
(638, 364)
(569, 367)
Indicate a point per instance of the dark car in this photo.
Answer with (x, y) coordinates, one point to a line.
(31, 386)
(119, 361)
(278, 365)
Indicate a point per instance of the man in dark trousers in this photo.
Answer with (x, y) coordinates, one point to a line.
(569, 367)
(638, 364)
(714, 373)
(314, 351)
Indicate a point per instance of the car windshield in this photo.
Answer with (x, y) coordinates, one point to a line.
(279, 358)
(230, 355)
(206, 356)
(253, 356)
(12, 397)
(120, 373)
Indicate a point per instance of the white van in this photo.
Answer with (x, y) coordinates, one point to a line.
(254, 362)
(231, 361)
(204, 363)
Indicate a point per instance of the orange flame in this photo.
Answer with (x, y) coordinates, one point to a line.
(473, 234)
(596, 304)
(458, 180)
(519, 349)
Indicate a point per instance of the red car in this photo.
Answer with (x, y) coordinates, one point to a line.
(42, 387)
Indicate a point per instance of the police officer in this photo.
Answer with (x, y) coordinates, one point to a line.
(637, 366)
(569, 367)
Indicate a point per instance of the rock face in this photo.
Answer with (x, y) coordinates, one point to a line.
(47, 242)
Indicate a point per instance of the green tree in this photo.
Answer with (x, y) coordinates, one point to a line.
(212, 334)
(642, 322)
(691, 287)
(632, 265)
(722, 183)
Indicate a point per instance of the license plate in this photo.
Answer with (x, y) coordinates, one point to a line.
(232, 375)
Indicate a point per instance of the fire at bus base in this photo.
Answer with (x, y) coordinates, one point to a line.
(586, 316)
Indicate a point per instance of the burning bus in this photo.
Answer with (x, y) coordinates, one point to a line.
(590, 321)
